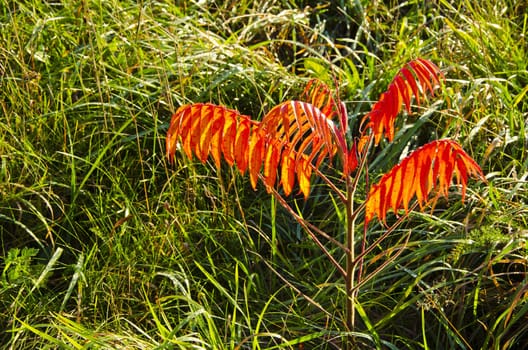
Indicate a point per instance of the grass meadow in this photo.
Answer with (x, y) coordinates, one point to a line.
(105, 245)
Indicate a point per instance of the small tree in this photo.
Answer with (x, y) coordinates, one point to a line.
(295, 137)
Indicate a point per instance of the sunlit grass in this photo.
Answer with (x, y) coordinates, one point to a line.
(104, 244)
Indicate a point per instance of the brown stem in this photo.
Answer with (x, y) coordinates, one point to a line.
(351, 260)
(350, 310)
(329, 182)
(371, 275)
(307, 227)
(385, 234)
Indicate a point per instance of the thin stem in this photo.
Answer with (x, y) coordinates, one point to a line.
(373, 274)
(350, 310)
(351, 261)
(306, 226)
(385, 234)
(334, 188)
(302, 221)
(364, 166)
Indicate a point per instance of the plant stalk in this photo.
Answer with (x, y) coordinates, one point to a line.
(351, 263)
(350, 312)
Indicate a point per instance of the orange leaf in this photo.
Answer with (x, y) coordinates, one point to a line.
(204, 129)
(430, 167)
(319, 95)
(396, 188)
(242, 145)
(256, 154)
(308, 134)
(174, 128)
(287, 171)
(408, 182)
(229, 136)
(217, 126)
(271, 163)
(304, 173)
(206, 122)
(192, 120)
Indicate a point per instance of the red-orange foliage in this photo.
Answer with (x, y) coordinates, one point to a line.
(295, 137)
(430, 167)
(401, 89)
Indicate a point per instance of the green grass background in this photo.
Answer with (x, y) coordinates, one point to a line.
(105, 245)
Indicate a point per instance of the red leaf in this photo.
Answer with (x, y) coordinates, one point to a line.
(352, 160)
(407, 186)
(256, 154)
(430, 167)
(383, 113)
(242, 145)
(229, 136)
(405, 91)
(216, 135)
(428, 72)
(411, 83)
(205, 135)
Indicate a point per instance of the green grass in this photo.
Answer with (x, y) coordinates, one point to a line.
(106, 245)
